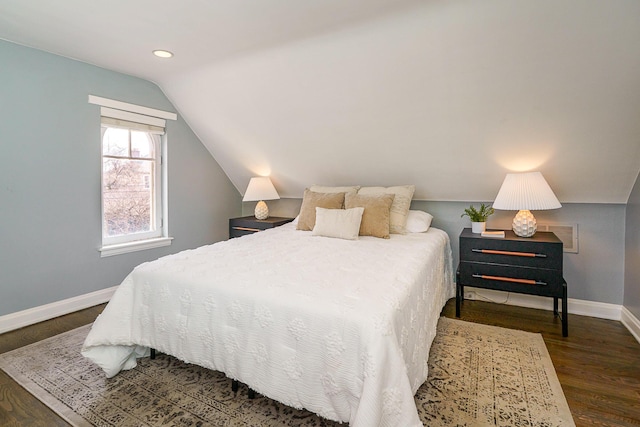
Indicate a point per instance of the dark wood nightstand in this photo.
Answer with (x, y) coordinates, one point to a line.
(250, 224)
(527, 265)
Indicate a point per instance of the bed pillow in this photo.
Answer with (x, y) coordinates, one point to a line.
(377, 209)
(339, 223)
(328, 189)
(399, 207)
(418, 221)
(310, 201)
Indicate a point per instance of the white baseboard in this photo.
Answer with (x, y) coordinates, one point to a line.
(30, 316)
(631, 322)
(601, 310)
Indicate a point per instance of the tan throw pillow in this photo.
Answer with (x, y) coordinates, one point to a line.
(312, 200)
(339, 223)
(326, 189)
(400, 206)
(376, 216)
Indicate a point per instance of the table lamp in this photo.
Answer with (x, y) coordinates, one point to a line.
(524, 192)
(260, 189)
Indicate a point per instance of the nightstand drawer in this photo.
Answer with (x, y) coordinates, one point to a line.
(241, 231)
(534, 281)
(499, 251)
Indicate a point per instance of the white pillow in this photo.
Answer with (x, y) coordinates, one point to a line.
(399, 207)
(340, 223)
(418, 221)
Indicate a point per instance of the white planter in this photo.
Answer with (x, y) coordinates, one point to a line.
(478, 227)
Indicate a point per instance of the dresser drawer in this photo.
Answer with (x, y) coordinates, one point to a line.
(499, 251)
(241, 231)
(534, 281)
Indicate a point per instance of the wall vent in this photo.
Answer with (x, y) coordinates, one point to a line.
(568, 233)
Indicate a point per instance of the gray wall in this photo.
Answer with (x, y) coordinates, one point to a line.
(632, 253)
(596, 273)
(50, 179)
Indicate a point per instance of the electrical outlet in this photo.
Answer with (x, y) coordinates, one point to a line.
(469, 295)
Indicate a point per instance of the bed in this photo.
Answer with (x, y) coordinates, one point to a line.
(340, 327)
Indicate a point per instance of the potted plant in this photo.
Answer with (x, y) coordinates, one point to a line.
(478, 217)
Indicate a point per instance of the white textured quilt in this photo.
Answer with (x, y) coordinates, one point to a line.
(342, 328)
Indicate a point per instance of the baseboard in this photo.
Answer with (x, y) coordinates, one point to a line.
(601, 310)
(631, 322)
(30, 316)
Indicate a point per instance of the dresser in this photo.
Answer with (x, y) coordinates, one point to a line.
(527, 265)
(250, 224)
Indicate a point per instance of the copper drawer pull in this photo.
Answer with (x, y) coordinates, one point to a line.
(246, 229)
(509, 279)
(495, 252)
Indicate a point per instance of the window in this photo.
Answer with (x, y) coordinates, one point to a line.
(131, 184)
(133, 197)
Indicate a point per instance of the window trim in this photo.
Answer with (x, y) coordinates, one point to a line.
(138, 245)
(155, 120)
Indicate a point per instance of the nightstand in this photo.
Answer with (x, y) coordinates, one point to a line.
(527, 265)
(250, 224)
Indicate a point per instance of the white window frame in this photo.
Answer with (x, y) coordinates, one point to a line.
(154, 121)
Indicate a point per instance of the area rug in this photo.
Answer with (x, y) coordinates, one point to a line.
(478, 376)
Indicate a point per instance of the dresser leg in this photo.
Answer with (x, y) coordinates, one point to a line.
(555, 306)
(459, 293)
(565, 312)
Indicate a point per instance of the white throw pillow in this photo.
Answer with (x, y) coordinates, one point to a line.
(418, 221)
(339, 223)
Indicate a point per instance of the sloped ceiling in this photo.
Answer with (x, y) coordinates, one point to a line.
(447, 95)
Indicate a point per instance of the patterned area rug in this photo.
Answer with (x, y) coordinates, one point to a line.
(478, 376)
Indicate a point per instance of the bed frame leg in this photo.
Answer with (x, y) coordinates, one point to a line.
(234, 386)
(252, 394)
(152, 354)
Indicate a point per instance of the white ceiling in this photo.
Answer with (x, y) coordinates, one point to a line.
(446, 94)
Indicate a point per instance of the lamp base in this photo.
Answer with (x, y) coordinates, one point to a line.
(262, 210)
(524, 224)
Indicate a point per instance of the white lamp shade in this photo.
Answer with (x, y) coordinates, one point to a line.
(525, 191)
(260, 188)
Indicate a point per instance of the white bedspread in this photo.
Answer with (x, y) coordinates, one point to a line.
(342, 328)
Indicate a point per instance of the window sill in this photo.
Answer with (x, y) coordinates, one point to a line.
(141, 245)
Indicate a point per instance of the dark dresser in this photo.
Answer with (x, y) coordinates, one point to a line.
(250, 224)
(527, 265)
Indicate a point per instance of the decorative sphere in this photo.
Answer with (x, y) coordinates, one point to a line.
(524, 224)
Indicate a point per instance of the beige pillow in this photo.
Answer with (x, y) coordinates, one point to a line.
(339, 223)
(310, 201)
(326, 189)
(399, 208)
(377, 209)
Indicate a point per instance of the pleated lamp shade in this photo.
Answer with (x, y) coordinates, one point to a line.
(524, 192)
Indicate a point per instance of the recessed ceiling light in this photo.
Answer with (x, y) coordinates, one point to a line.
(162, 53)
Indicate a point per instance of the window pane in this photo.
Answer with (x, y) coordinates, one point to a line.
(141, 145)
(116, 142)
(127, 196)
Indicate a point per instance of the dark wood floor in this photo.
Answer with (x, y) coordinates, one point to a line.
(598, 364)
